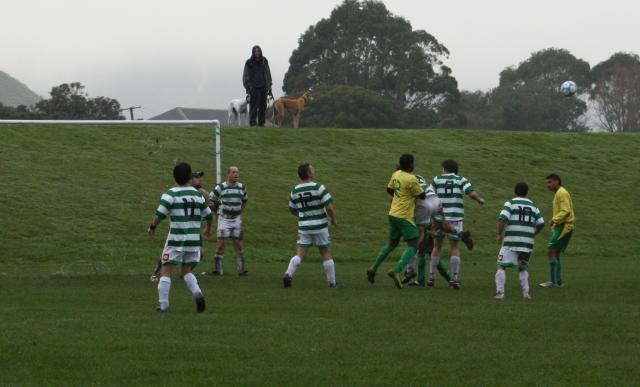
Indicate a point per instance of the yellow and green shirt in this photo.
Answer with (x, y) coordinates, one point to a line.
(406, 188)
(563, 210)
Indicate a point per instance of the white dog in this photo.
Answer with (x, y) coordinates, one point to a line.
(238, 112)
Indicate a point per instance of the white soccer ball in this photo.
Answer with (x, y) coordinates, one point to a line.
(569, 88)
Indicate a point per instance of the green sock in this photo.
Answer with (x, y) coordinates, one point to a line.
(422, 262)
(409, 252)
(443, 270)
(552, 270)
(384, 252)
(559, 272)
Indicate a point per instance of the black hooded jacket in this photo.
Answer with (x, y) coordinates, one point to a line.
(256, 72)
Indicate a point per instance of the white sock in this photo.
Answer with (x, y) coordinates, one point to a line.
(218, 261)
(433, 267)
(330, 271)
(455, 267)
(501, 279)
(524, 281)
(164, 286)
(192, 284)
(240, 263)
(293, 265)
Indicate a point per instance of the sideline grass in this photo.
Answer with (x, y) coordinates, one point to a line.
(101, 329)
(76, 306)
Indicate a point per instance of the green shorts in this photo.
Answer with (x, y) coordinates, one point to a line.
(558, 240)
(399, 227)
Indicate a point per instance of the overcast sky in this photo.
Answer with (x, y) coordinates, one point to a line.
(161, 54)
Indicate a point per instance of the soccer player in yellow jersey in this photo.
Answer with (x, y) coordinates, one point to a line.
(562, 229)
(404, 188)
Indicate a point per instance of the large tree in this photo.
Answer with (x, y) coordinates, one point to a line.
(69, 101)
(363, 44)
(616, 92)
(528, 94)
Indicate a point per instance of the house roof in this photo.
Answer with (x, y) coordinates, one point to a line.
(183, 113)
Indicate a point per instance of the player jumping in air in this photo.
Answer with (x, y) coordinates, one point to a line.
(428, 217)
(451, 189)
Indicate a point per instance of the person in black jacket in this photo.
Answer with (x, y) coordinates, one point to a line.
(256, 79)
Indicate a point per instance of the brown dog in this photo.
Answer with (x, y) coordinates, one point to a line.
(296, 106)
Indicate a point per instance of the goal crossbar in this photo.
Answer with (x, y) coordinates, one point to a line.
(215, 123)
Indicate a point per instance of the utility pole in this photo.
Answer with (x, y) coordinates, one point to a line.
(131, 109)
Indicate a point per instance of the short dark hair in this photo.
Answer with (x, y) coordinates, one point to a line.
(522, 189)
(451, 166)
(303, 171)
(182, 173)
(406, 162)
(555, 177)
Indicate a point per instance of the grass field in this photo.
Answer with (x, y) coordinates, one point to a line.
(76, 306)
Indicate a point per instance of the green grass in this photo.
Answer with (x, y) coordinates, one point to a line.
(77, 309)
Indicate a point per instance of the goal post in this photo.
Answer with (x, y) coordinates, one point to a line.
(215, 123)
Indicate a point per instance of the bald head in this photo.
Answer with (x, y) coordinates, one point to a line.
(233, 174)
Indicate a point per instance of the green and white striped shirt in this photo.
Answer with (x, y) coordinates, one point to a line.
(230, 197)
(522, 218)
(186, 207)
(451, 189)
(309, 201)
(428, 188)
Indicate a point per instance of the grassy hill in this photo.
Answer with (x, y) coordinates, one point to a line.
(99, 187)
(74, 286)
(14, 93)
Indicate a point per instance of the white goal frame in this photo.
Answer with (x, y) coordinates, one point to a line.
(215, 123)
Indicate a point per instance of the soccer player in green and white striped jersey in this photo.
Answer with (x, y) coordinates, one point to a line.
(426, 210)
(312, 204)
(451, 189)
(230, 198)
(185, 207)
(518, 223)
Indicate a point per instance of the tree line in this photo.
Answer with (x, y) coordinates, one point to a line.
(369, 68)
(67, 102)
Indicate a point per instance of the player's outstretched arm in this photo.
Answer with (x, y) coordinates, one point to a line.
(474, 195)
(331, 212)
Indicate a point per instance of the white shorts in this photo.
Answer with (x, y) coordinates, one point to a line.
(458, 227)
(319, 239)
(427, 209)
(229, 228)
(170, 255)
(511, 258)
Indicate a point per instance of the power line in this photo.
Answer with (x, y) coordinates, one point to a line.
(131, 109)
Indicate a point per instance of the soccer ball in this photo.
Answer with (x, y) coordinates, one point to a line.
(569, 88)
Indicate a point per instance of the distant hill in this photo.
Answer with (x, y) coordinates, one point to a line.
(14, 93)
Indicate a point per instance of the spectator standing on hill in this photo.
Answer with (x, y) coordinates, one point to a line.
(256, 79)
